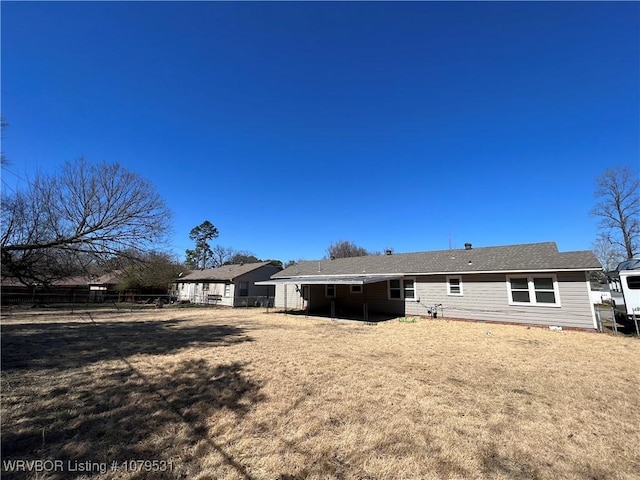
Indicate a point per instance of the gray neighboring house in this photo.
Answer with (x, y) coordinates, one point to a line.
(528, 284)
(231, 285)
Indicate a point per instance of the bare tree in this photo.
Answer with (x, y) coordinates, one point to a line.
(345, 248)
(609, 254)
(619, 207)
(86, 213)
(221, 255)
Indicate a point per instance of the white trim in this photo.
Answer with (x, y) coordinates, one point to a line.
(593, 308)
(532, 291)
(449, 292)
(294, 278)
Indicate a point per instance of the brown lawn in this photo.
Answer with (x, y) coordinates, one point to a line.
(244, 394)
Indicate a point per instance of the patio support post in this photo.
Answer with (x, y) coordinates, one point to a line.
(365, 305)
(308, 299)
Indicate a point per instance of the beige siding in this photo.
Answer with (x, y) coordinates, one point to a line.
(194, 292)
(486, 297)
(287, 296)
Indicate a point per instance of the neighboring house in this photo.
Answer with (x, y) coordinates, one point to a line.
(231, 285)
(79, 288)
(528, 284)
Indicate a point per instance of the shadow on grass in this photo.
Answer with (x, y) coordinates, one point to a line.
(72, 394)
(77, 343)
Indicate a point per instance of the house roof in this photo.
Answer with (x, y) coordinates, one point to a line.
(512, 258)
(226, 272)
(333, 279)
(73, 281)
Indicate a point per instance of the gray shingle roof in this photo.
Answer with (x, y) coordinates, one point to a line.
(226, 272)
(526, 257)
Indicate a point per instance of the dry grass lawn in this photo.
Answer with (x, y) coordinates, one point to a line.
(244, 394)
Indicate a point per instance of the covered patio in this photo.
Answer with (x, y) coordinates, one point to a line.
(351, 297)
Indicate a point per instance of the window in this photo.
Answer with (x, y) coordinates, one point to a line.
(409, 288)
(330, 290)
(205, 287)
(533, 290)
(227, 290)
(394, 289)
(545, 293)
(356, 288)
(402, 289)
(520, 290)
(244, 289)
(454, 285)
(633, 282)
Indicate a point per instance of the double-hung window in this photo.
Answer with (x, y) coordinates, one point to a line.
(454, 285)
(227, 290)
(402, 289)
(244, 289)
(533, 290)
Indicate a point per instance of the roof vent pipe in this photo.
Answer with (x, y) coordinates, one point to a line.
(467, 246)
(388, 251)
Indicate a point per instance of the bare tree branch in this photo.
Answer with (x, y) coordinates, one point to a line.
(86, 210)
(619, 207)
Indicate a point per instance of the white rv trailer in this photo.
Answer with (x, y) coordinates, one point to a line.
(624, 283)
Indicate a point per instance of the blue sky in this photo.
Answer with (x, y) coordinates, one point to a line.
(291, 125)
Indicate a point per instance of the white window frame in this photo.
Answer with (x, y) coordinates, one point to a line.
(358, 291)
(402, 289)
(326, 290)
(227, 290)
(455, 277)
(532, 290)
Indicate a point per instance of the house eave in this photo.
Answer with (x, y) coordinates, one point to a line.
(362, 278)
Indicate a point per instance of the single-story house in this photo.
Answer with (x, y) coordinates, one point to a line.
(231, 285)
(75, 289)
(528, 284)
